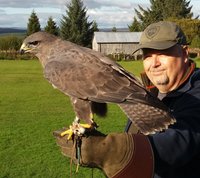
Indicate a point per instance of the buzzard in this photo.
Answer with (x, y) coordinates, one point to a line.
(91, 79)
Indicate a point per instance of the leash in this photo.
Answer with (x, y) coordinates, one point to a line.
(76, 153)
(77, 139)
(78, 142)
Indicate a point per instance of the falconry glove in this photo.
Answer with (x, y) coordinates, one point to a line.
(117, 154)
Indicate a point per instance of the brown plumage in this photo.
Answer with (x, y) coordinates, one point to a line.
(89, 78)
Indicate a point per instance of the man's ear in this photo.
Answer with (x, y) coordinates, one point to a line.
(186, 49)
(185, 52)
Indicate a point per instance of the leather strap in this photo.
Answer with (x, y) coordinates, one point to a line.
(188, 72)
(141, 164)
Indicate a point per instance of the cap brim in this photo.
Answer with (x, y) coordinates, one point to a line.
(156, 45)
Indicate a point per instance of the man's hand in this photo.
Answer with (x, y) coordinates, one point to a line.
(114, 153)
(68, 146)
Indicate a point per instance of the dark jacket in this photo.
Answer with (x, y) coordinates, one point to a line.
(177, 149)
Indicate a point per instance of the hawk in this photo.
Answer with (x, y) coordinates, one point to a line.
(91, 79)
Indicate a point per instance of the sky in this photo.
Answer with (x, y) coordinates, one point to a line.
(107, 13)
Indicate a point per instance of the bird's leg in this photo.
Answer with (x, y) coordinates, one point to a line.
(93, 125)
(78, 129)
(83, 111)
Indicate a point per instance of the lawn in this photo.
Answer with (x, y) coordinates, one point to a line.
(30, 110)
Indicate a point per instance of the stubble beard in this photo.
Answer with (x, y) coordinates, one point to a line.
(161, 80)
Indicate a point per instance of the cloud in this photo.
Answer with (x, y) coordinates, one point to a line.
(21, 20)
(32, 3)
(104, 12)
(2, 11)
(12, 20)
(112, 13)
(110, 18)
(15, 13)
(106, 3)
(90, 4)
(195, 8)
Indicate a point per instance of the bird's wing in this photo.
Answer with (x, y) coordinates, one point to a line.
(87, 75)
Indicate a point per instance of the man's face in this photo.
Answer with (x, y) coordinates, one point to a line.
(165, 68)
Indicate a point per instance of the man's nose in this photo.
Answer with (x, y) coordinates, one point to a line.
(155, 61)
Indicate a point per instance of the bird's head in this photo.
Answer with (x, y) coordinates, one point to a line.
(34, 42)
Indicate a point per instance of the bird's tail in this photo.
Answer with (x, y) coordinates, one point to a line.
(99, 108)
(147, 118)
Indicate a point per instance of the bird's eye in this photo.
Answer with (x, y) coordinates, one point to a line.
(34, 43)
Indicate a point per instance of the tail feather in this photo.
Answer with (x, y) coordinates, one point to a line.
(147, 118)
(99, 108)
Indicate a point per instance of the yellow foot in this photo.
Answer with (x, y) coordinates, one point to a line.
(68, 132)
(86, 126)
(77, 129)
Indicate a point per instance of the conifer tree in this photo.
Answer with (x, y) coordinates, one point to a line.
(95, 26)
(114, 29)
(135, 26)
(162, 10)
(51, 27)
(33, 24)
(75, 26)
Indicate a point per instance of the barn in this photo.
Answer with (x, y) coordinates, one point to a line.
(115, 42)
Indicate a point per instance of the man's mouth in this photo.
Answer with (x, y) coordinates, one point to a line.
(157, 72)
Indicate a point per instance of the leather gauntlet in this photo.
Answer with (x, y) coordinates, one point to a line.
(119, 155)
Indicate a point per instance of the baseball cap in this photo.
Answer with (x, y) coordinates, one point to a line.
(161, 35)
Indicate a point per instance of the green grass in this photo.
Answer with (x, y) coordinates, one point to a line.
(30, 110)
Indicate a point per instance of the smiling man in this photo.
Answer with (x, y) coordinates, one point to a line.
(166, 68)
(173, 153)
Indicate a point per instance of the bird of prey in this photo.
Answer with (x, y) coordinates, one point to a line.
(91, 79)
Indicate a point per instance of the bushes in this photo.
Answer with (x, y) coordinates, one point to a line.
(195, 42)
(9, 47)
(124, 57)
(10, 43)
(14, 55)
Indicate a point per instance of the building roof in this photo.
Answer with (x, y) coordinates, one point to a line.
(117, 37)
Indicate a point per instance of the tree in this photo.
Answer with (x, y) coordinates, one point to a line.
(162, 10)
(195, 42)
(114, 29)
(33, 24)
(75, 26)
(177, 9)
(95, 26)
(51, 27)
(135, 26)
(191, 27)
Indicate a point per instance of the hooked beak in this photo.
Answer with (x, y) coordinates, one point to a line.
(24, 49)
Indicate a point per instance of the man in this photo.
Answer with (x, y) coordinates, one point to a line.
(173, 153)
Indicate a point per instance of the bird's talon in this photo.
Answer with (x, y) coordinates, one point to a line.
(77, 129)
(68, 132)
(86, 126)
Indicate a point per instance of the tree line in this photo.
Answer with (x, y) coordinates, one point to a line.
(75, 26)
(178, 11)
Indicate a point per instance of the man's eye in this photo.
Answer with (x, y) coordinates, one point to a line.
(147, 56)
